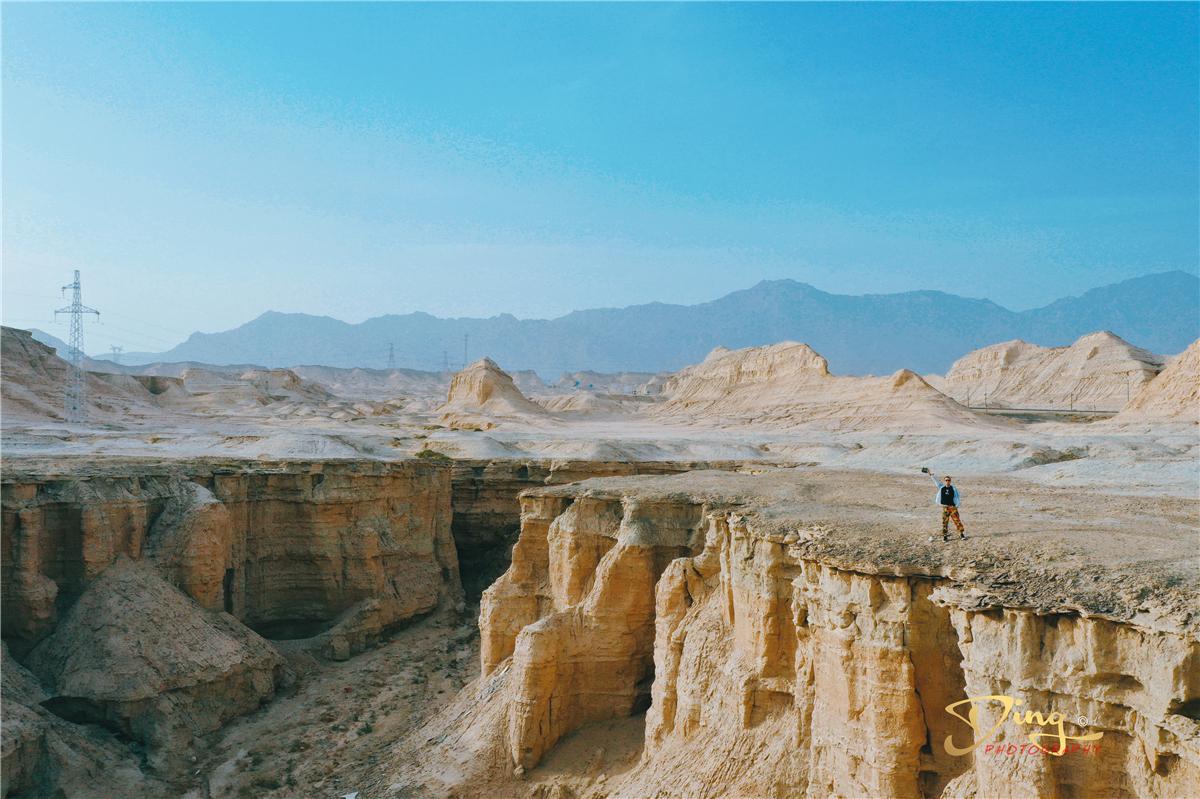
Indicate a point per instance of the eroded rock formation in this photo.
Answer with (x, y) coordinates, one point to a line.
(1100, 370)
(789, 655)
(130, 591)
(788, 385)
(487, 508)
(482, 393)
(45, 755)
(1172, 395)
(135, 654)
(288, 549)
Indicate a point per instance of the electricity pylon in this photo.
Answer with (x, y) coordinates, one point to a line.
(75, 401)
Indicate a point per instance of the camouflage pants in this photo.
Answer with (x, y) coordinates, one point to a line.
(951, 512)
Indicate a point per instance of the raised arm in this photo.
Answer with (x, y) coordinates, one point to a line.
(935, 480)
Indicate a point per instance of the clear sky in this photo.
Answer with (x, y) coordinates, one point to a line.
(204, 163)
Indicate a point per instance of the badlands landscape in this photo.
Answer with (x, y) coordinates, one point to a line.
(715, 582)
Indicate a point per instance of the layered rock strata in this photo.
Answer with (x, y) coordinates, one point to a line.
(487, 511)
(795, 644)
(289, 549)
(1098, 371)
(133, 590)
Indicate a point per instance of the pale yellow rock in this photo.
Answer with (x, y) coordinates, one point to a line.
(482, 393)
(1174, 394)
(788, 385)
(290, 550)
(1099, 371)
(810, 665)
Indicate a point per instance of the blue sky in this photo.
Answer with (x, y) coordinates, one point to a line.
(204, 163)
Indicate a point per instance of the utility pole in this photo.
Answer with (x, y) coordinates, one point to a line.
(391, 355)
(466, 339)
(75, 401)
(116, 353)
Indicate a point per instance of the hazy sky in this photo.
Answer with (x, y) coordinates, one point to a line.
(204, 163)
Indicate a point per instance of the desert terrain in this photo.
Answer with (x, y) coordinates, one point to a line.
(319, 581)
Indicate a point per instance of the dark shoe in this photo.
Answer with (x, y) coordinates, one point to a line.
(962, 536)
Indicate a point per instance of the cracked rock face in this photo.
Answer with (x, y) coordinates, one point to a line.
(131, 593)
(135, 655)
(289, 550)
(784, 656)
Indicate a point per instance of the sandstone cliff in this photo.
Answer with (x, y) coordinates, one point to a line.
(787, 645)
(291, 550)
(487, 511)
(134, 590)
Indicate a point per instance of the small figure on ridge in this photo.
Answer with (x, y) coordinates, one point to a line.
(950, 501)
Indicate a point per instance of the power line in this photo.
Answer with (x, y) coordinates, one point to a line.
(75, 401)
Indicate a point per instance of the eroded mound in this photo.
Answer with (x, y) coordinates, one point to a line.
(1100, 370)
(789, 385)
(483, 392)
(34, 379)
(1174, 394)
(136, 655)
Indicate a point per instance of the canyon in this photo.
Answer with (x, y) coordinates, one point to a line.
(721, 582)
(662, 629)
(774, 639)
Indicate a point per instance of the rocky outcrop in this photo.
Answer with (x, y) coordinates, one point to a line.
(788, 385)
(288, 549)
(487, 508)
(1172, 395)
(42, 754)
(136, 655)
(790, 652)
(1100, 371)
(483, 393)
(191, 543)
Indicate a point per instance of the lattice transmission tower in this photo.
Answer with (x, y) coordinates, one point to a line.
(75, 402)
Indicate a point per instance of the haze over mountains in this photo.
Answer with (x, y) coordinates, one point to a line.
(859, 334)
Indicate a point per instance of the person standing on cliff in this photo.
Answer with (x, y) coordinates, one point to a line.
(950, 501)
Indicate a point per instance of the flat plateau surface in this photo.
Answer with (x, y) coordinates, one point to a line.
(1046, 548)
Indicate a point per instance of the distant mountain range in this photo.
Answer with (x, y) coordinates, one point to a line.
(858, 334)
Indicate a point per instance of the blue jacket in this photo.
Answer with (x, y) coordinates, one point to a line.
(937, 498)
